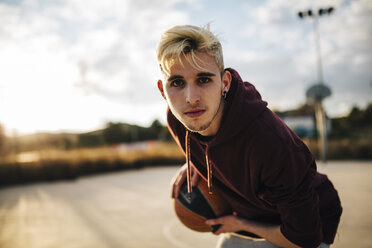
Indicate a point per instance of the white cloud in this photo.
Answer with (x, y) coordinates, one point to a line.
(280, 51)
(46, 44)
(45, 47)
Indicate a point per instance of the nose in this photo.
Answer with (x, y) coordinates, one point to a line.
(192, 94)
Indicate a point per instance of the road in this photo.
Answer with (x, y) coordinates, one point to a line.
(133, 209)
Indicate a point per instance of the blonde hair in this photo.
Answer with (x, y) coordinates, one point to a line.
(185, 40)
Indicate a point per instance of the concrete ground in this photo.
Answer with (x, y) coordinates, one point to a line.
(134, 209)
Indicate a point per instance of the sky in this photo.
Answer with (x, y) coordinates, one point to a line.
(75, 65)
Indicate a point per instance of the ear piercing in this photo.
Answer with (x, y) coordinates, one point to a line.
(224, 94)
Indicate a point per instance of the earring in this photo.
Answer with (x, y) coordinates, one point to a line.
(224, 94)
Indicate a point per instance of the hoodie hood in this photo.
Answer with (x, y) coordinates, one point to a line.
(243, 105)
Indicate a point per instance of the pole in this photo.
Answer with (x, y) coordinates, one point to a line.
(320, 115)
(321, 124)
(317, 47)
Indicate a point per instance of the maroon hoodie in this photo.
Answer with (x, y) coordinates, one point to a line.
(263, 169)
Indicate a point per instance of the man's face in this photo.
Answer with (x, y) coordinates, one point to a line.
(195, 95)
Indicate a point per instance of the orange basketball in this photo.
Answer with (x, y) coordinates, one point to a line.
(200, 207)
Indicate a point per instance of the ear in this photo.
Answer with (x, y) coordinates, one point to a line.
(226, 81)
(160, 87)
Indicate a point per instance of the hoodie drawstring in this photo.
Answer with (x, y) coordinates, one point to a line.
(209, 170)
(188, 171)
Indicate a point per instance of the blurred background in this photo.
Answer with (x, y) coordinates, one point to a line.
(80, 75)
(78, 79)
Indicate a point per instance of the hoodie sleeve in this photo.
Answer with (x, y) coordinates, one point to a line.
(287, 186)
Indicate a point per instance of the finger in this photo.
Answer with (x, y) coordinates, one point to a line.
(172, 192)
(180, 178)
(173, 185)
(212, 222)
(218, 221)
(178, 183)
(176, 191)
(176, 177)
(219, 230)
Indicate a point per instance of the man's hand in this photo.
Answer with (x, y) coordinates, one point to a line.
(271, 233)
(229, 223)
(180, 177)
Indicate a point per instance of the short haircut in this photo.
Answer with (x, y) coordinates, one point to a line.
(185, 40)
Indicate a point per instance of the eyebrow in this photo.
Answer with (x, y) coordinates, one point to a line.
(171, 78)
(206, 74)
(200, 74)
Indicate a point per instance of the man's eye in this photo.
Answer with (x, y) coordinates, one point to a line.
(177, 83)
(204, 80)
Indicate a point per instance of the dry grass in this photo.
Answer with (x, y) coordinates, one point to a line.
(127, 153)
(346, 148)
(55, 164)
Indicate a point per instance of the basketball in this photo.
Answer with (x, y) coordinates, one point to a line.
(202, 206)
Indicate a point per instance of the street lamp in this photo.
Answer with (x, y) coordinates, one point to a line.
(319, 91)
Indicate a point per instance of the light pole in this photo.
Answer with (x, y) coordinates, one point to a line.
(319, 91)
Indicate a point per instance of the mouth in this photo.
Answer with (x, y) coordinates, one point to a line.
(193, 113)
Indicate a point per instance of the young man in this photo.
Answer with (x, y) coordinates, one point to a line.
(234, 142)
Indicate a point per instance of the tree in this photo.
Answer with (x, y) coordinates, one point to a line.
(358, 123)
(116, 133)
(160, 132)
(367, 117)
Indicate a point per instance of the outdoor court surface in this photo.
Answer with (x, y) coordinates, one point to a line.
(133, 209)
